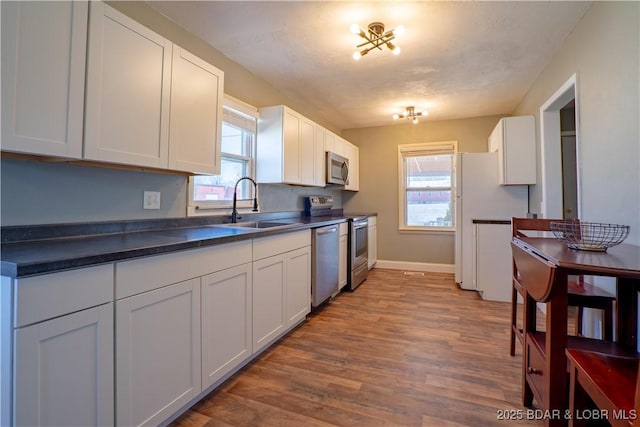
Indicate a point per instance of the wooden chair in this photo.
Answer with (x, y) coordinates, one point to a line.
(612, 384)
(580, 294)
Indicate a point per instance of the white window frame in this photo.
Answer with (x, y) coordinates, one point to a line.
(424, 149)
(243, 115)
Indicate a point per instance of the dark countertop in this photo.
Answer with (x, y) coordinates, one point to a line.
(32, 256)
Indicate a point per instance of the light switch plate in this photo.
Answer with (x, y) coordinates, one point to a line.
(151, 200)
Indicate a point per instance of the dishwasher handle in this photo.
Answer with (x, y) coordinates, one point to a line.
(323, 231)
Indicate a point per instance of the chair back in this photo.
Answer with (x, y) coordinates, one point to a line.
(520, 225)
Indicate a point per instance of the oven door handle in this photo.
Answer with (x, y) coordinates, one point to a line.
(358, 226)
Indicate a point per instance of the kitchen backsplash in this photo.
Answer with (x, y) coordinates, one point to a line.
(52, 193)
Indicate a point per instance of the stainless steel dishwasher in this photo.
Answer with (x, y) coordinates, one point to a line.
(324, 264)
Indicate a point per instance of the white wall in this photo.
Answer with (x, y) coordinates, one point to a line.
(603, 52)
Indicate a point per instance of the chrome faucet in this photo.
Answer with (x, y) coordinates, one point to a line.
(234, 212)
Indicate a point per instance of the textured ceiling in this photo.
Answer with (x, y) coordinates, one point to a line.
(458, 59)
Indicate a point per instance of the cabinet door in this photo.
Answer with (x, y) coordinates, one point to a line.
(342, 264)
(226, 322)
(307, 151)
(43, 70)
(292, 123)
(352, 153)
(128, 83)
(163, 327)
(64, 372)
(268, 300)
(196, 114)
(298, 285)
(319, 158)
(372, 248)
(492, 261)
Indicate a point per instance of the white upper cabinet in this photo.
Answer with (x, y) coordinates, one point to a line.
(514, 138)
(352, 153)
(149, 102)
(287, 151)
(43, 70)
(128, 87)
(197, 89)
(319, 158)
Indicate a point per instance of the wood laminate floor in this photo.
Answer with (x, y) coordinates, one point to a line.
(402, 350)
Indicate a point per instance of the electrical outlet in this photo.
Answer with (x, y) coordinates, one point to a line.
(151, 200)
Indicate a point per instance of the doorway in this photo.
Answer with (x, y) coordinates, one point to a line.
(559, 149)
(568, 151)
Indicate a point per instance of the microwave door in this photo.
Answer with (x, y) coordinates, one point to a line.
(344, 169)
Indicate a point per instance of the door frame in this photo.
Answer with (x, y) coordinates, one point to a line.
(550, 149)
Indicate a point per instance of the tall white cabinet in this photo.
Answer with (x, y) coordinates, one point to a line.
(43, 75)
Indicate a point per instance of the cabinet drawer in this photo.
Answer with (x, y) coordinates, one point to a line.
(269, 246)
(535, 370)
(47, 296)
(145, 274)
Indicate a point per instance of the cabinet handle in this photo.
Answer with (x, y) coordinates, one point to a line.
(532, 371)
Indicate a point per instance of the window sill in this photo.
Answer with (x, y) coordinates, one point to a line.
(425, 230)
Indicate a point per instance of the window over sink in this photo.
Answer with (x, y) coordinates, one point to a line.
(213, 194)
(426, 186)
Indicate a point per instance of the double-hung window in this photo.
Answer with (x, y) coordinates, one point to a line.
(211, 194)
(426, 186)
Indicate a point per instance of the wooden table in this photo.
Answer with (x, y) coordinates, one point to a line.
(544, 264)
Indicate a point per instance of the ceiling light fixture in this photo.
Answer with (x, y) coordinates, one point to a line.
(375, 38)
(411, 114)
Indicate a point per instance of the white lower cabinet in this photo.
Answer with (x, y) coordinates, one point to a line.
(268, 300)
(226, 322)
(343, 254)
(372, 242)
(64, 370)
(281, 285)
(158, 340)
(298, 285)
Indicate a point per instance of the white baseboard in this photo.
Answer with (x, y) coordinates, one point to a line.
(416, 266)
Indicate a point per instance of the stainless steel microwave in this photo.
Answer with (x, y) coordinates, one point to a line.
(337, 169)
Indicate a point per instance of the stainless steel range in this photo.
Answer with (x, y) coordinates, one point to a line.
(358, 251)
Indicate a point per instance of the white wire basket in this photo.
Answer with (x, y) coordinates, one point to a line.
(589, 236)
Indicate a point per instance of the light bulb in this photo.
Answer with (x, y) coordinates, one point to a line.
(395, 50)
(396, 116)
(399, 30)
(415, 120)
(357, 56)
(355, 29)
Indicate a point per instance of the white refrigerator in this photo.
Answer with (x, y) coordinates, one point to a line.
(480, 197)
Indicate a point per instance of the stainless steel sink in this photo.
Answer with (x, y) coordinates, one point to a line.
(261, 224)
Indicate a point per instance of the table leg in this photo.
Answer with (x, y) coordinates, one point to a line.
(627, 312)
(556, 359)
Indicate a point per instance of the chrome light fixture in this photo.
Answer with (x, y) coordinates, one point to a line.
(411, 114)
(375, 38)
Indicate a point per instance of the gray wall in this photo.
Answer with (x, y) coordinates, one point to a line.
(379, 182)
(603, 51)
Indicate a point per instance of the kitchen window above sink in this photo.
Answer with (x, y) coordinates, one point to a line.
(209, 194)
